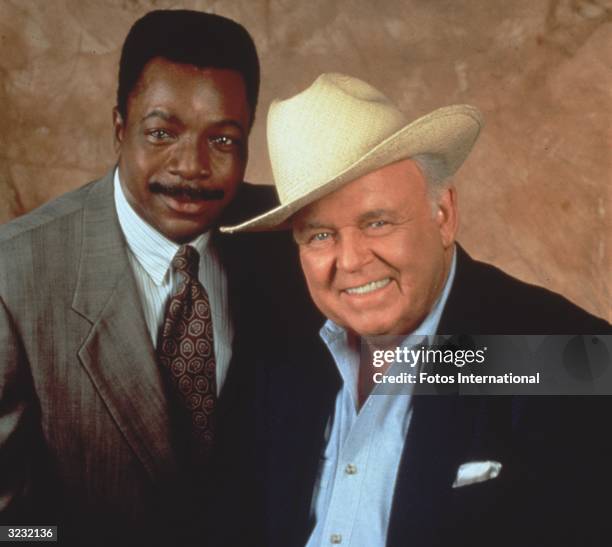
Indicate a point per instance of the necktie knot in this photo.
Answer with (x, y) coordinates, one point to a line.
(187, 261)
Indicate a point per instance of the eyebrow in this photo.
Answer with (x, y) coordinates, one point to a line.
(233, 123)
(171, 118)
(376, 213)
(365, 217)
(156, 113)
(311, 225)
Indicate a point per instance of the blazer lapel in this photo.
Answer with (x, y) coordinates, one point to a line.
(118, 354)
(439, 433)
(230, 258)
(302, 395)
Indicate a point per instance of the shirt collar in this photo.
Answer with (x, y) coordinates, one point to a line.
(152, 250)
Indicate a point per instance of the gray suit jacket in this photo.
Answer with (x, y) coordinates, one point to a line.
(85, 435)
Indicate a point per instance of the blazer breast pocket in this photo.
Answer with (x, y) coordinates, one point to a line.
(476, 472)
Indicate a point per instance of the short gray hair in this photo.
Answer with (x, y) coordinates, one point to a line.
(435, 171)
(433, 167)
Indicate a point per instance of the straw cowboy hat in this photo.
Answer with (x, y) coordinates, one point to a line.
(342, 128)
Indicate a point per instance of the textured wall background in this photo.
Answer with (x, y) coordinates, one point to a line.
(535, 195)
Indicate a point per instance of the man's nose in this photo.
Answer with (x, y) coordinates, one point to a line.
(191, 160)
(353, 251)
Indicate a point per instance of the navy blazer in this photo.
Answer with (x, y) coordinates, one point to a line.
(555, 461)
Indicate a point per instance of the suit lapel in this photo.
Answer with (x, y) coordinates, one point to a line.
(303, 394)
(439, 433)
(238, 254)
(229, 257)
(471, 307)
(118, 354)
(437, 440)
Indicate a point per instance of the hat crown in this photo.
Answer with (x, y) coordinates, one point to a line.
(341, 129)
(320, 132)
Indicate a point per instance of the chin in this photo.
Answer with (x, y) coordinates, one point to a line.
(371, 330)
(183, 232)
(376, 323)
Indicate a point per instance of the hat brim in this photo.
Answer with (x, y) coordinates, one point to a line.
(449, 132)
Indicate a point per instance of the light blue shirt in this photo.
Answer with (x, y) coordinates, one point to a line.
(353, 495)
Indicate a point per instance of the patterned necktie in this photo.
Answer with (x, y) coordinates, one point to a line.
(185, 350)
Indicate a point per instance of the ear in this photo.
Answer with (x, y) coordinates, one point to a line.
(118, 129)
(447, 215)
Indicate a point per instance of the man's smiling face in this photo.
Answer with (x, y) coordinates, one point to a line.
(377, 251)
(183, 147)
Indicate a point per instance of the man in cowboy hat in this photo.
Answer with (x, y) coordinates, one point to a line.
(374, 214)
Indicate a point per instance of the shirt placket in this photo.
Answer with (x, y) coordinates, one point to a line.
(351, 472)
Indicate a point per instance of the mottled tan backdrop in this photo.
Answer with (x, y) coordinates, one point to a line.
(535, 195)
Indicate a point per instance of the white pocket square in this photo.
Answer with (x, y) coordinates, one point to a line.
(473, 472)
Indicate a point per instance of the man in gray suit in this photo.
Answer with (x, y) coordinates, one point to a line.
(96, 435)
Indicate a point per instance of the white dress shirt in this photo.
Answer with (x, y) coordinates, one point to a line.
(151, 254)
(353, 495)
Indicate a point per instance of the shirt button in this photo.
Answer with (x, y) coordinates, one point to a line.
(336, 538)
(350, 469)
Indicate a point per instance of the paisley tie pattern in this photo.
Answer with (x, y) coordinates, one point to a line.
(185, 349)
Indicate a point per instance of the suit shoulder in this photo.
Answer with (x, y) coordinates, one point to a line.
(47, 216)
(511, 289)
(43, 244)
(513, 306)
(262, 194)
(250, 201)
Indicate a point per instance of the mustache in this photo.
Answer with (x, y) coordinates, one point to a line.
(183, 191)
